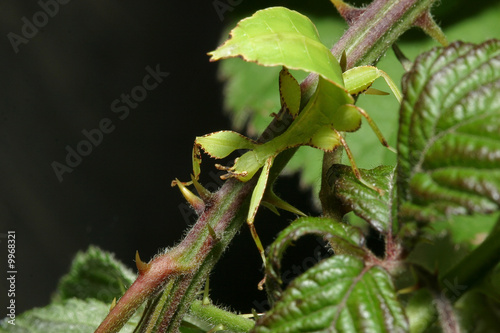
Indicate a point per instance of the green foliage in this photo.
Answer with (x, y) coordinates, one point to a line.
(447, 154)
(372, 207)
(339, 294)
(82, 299)
(95, 274)
(448, 140)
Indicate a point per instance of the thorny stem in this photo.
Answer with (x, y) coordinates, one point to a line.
(187, 259)
(190, 262)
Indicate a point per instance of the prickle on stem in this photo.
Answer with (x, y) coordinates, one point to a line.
(195, 201)
(142, 267)
(113, 304)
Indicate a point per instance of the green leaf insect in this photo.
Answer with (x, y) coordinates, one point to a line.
(280, 37)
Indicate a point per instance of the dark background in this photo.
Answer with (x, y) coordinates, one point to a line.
(63, 81)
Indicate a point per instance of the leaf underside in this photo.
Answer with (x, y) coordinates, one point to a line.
(363, 201)
(95, 274)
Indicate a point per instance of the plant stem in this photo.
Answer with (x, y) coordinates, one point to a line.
(213, 314)
(190, 261)
(381, 24)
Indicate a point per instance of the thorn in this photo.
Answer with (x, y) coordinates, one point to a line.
(349, 13)
(142, 267)
(272, 199)
(195, 201)
(203, 192)
(408, 290)
(113, 304)
(405, 62)
(272, 208)
(431, 28)
(212, 233)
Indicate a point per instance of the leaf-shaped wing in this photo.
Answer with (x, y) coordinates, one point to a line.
(289, 92)
(221, 144)
(278, 36)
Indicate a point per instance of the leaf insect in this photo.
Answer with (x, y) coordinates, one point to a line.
(328, 113)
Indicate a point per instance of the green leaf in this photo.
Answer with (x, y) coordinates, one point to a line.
(278, 36)
(449, 147)
(69, 316)
(340, 294)
(365, 202)
(95, 274)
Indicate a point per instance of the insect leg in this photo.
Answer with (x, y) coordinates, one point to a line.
(392, 85)
(374, 127)
(353, 164)
(257, 195)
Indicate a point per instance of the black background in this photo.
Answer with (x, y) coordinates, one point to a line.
(63, 81)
